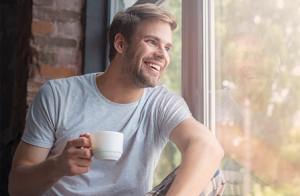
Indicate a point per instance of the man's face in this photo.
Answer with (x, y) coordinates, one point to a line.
(147, 56)
(250, 67)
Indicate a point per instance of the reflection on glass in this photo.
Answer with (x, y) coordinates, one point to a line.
(258, 101)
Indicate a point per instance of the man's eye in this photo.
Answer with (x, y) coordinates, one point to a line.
(151, 41)
(167, 49)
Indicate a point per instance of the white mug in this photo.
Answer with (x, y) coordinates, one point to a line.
(107, 145)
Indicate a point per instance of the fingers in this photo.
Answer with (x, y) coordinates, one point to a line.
(76, 157)
(87, 135)
(81, 170)
(80, 142)
(74, 161)
(84, 162)
(77, 166)
(83, 153)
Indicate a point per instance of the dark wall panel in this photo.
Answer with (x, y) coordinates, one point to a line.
(95, 36)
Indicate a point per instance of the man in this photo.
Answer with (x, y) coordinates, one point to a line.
(251, 132)
(52, 160)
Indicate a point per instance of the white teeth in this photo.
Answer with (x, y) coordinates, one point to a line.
(154, 66)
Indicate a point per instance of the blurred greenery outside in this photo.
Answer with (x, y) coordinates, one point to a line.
(279, 23)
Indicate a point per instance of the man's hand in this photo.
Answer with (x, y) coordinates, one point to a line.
(76, 156)
(33, 173)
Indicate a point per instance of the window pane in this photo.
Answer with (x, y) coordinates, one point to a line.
(129, 3)
(257, 96)
(171, 157)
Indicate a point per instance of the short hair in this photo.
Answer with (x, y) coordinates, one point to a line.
(126, 22)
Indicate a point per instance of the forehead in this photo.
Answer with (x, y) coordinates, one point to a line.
(157, 28)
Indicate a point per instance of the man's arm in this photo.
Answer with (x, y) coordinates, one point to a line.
(264, 161)
(201, 156)
(33, 174)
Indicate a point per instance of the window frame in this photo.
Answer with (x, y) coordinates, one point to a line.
(198, 59)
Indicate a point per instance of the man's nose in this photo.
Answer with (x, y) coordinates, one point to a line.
(161, 53)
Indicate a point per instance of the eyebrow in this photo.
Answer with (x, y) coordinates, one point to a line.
(157, 39)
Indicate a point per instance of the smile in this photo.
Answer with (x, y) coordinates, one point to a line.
(156, 67)
(153, 67)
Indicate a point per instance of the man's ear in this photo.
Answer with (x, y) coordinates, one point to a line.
(119, 43)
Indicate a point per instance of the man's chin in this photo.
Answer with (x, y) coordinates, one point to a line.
(151, 85)
(152, 82)
(147, 83)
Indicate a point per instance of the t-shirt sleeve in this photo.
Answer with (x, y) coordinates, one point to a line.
(171, 112)
(40, 123)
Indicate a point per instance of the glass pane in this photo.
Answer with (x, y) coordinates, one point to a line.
(129, 3)
(171, 157)
(257, 96)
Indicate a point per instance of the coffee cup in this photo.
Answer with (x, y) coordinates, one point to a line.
(107, 145)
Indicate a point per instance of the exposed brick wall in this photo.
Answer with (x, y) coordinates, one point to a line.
(58, 32)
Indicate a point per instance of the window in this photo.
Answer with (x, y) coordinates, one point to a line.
(257, 102)
(240, 75)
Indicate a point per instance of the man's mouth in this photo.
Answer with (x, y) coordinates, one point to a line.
(156, 67)
(153, 66)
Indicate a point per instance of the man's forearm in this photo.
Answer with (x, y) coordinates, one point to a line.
(199, 164)
(33, 179)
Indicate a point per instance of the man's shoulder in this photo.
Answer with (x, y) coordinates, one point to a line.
(75, 81)
(157, 89)
(160, 92)
(160, 95)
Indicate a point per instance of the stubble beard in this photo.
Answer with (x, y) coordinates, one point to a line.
(132, 73)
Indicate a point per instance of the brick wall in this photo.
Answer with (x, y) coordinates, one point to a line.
(58, 31)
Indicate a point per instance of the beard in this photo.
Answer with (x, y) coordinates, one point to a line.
(132, 72)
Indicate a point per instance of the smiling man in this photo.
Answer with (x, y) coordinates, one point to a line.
(52, 160)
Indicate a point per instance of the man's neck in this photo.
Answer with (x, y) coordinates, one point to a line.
(113, 89)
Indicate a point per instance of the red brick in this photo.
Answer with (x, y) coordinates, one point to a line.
(48, 58)
(69, 29)
(67, 57)
(43, 13)
(32, 89)
(54, 41)
(33, 86)
(43, 2)
(56, 72)
(42, 27)
(74, 5)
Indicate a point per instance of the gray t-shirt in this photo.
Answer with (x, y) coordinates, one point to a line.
(65, 108)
